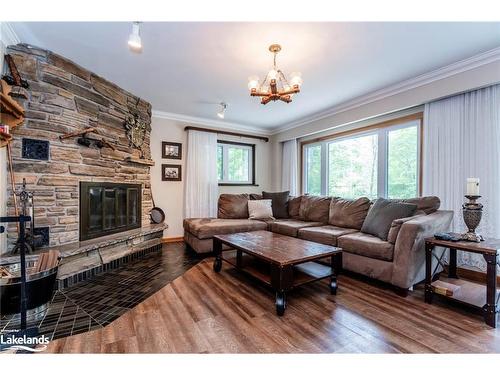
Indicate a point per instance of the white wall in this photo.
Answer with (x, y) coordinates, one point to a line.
(170, 195)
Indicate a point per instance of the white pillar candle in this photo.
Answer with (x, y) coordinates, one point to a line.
(473, 186)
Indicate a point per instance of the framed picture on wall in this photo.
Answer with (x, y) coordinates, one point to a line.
(171, 172)
(171, 150)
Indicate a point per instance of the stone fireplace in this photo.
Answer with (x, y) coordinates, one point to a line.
(65, 98)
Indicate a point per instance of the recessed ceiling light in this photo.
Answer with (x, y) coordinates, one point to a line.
(134, 39)
(222, 111)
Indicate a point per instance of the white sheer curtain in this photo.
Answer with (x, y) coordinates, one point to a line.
(462, 139)
(201, 187)
(289, 167)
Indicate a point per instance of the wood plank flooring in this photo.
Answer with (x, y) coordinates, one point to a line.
(205, 312)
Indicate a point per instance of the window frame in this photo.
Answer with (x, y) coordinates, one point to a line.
(382, 129)
(251, 162)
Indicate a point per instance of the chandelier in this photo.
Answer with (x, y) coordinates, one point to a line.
(275, 86)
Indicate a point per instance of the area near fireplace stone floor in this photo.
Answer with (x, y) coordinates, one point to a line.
(63, 98)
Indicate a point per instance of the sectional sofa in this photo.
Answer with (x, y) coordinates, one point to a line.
(400, 260)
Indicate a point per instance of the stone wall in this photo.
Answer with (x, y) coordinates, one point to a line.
(64, 97)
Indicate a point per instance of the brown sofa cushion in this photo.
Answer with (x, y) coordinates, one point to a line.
(290, 227)
(327, 234)
(426, 205)
(279, 203)
(207, 228)
(348, 213)
(294, 207)
(255, 197)
(382, 213)
(233, 206)
(366, 245)
(314, 208)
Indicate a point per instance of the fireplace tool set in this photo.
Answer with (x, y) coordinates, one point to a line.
(26, 285)
(27, 209)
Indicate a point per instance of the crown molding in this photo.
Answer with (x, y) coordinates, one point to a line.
(8, 35)
(412, 83)
(209, 122)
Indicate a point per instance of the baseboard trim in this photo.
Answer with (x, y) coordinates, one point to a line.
(472, 275)
(172, 239)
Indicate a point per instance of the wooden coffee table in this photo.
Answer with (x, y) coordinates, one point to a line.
(281, 262)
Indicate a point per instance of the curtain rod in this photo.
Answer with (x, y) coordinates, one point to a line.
(265, 139)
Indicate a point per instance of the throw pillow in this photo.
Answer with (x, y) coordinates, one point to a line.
(383, 213)
(280, 203)
(260, 209)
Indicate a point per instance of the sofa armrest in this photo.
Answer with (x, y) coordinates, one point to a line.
(409, 252)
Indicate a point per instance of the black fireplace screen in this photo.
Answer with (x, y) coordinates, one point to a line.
(107, 208)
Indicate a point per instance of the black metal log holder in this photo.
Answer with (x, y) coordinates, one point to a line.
(22, 220)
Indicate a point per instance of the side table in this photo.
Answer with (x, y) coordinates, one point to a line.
(478, 296)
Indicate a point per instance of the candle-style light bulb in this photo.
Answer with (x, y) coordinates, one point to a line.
(472, 186)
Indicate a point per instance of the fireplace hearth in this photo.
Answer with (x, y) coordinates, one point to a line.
(108, 208)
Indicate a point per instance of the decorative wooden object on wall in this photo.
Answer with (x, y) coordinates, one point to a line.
(4, 139)
(12, 112)
(171, 150)
(171, 172)
(130, 159)
(85, 141)
(136, 128)
(78, 132)
(15, 78)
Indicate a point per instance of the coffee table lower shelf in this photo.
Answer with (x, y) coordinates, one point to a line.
(302, 273)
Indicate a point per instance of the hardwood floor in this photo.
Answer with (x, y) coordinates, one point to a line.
(205, 312)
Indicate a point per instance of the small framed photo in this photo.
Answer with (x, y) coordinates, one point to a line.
(171, 172)
(171, 150)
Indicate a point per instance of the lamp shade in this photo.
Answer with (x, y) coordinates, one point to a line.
(253, 82)
(296, 78)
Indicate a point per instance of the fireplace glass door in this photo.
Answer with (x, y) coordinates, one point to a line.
(107, 208)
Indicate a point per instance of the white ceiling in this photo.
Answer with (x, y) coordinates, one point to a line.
(188, 68)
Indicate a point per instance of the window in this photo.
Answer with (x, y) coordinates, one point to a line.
(235, 163)
(352, 167)
(313, 169)
(375, 162)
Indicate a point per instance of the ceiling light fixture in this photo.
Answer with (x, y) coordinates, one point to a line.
(222, 111)
(275, 86)
(134, 39)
